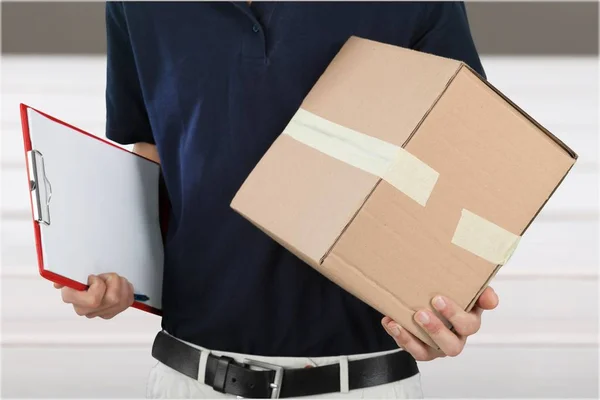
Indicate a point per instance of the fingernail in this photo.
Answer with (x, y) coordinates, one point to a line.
(439, 303)
(395, 328)
(423, 317)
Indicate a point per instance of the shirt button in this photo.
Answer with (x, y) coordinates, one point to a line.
(255, 28)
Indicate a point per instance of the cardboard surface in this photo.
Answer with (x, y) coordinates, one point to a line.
(496, 168)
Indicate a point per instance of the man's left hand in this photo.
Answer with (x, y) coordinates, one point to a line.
(451, 344)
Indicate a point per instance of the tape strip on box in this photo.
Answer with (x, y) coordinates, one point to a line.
(390, 162)
(484, 238)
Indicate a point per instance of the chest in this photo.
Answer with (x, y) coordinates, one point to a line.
(203, 39)
(221, 79)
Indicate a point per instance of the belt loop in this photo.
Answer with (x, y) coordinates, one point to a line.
(344, 386)
(202, 365)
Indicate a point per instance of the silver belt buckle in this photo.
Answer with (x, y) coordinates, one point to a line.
(276, 384)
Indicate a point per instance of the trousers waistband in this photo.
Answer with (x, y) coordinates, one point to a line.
(262, 377)
(289, 362)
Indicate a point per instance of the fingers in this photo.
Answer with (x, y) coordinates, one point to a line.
(488, 299)
(109, 300)
(449, 343)
(58, 285)
(113, 289)
(118, 297)
(106, 296)
(104, 313)
(90, 298)
(464, 323)
(410, 343)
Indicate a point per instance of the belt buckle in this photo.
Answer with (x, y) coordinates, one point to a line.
(276, 384)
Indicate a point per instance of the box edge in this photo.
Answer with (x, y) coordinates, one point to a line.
(537, 124)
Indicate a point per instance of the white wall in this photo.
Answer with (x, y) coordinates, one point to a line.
(541, 342)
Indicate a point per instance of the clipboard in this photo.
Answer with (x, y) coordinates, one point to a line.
(96, 208)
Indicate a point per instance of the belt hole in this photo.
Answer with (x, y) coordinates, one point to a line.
(252, 386)
(233, 380)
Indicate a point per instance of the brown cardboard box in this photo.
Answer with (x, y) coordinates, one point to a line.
(404, 175)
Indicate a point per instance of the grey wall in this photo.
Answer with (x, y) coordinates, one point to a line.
(508, 28)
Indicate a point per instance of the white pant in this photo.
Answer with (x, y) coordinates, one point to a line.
(166, 383)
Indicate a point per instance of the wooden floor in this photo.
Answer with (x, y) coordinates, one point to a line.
(541, 342)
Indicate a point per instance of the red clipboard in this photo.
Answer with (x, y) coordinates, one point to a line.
(164, 205)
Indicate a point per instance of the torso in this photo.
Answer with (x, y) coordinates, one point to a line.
(220, 81)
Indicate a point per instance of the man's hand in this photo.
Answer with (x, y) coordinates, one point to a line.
(451, 344)
(107, 296)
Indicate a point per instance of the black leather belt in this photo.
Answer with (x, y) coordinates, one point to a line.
(253, 379)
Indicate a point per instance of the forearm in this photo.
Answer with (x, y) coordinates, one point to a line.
(147, 150)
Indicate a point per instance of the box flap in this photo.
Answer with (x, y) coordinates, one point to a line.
(380, 90)
(526, 115)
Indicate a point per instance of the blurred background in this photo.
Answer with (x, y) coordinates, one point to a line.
(541, 342)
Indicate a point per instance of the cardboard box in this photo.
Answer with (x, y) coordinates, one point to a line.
(404, 175)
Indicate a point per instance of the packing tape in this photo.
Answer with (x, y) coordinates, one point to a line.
(484, 238)
(391, 163)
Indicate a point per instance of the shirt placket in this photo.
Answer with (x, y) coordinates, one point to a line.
(254, 43)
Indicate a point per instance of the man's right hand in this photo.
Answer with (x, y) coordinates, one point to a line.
(107, 295)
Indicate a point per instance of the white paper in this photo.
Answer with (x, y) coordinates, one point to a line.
(104, 210)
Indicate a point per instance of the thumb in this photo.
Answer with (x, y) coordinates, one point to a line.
(488, 299)
(96, 286)
(92, 280)
(107, 277)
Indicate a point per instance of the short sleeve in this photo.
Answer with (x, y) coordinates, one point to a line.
(447, 34)
(126, 117)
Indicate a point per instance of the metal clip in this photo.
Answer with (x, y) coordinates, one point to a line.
(40, 190)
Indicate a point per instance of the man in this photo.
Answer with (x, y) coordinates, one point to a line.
(205, 88)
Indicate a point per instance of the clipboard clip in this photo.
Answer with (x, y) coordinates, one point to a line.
(39, 187)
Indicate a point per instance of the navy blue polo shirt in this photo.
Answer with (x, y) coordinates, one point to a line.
(213, 85)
